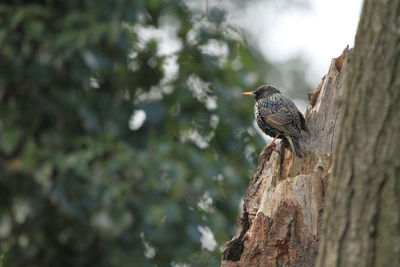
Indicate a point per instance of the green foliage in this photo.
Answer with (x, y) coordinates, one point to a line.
(77, 186)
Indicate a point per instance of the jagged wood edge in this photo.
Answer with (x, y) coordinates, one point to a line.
(234, 248)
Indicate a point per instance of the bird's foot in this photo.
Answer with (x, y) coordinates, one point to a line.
(272, 146)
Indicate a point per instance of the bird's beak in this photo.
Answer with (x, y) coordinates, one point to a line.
(248, 93)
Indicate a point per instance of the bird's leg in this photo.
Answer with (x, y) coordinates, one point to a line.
(272, 144)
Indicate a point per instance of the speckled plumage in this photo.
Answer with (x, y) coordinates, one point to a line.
(276, 114)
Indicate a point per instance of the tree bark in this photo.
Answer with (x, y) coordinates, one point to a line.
(280, 222)
(362, 217)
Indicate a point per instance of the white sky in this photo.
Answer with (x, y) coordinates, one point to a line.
(319, 32)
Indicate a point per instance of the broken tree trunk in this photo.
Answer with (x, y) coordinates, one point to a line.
(280, 222)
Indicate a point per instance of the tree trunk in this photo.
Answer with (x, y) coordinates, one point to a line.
(280, 222)
(362, 217)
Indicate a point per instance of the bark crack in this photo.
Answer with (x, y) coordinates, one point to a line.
(347, 219)
(233, 249)
(374, 222)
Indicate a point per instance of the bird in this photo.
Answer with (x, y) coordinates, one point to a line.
(278, 117)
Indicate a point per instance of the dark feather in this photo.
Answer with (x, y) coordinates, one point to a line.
(303, 123)
(280, 114)
(277, 114)
(294, 144)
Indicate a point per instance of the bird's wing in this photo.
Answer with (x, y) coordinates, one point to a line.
(300, 124)
(279, 116)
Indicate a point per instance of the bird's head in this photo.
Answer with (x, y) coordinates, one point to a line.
(263, 91)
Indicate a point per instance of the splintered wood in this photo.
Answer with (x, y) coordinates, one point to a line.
(281, 217)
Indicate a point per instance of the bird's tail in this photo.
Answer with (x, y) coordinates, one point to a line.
(294, 144)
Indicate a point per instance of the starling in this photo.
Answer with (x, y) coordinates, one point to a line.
(278, 117)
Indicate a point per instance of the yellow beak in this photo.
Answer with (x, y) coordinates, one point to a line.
(248, 93)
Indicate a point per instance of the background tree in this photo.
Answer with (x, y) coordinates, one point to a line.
(82, 181)
(362, 217)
